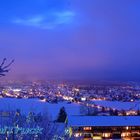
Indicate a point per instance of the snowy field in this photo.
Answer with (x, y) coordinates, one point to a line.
(119, 105)
(35, 105)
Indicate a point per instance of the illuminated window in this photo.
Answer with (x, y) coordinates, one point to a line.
(125, 134)
(106, 135)
(87, 128)
(77, 135)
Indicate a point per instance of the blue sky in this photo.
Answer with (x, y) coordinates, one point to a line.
(71, 38)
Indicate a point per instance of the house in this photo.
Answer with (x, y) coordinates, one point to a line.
(104, 127)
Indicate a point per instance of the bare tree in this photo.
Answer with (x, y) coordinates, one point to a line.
(4, 68)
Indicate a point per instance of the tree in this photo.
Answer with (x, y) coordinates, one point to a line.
(17, 118)
(111, 112)
(89, 111)
(62, 115)
(123, 113)
(116, 113)
(138, 112)
(5, 68)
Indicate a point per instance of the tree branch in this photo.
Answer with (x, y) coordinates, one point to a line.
(5, 68)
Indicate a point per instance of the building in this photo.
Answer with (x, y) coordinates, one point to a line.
(104, 127)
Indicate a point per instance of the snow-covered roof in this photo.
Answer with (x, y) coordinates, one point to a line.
(118, 104)
(103, 121)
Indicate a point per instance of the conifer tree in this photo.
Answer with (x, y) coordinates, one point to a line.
(62, 116)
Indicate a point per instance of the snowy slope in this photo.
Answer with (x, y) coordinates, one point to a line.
(26, 105)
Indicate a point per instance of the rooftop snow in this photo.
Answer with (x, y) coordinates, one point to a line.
(104, 120)
(119, 105)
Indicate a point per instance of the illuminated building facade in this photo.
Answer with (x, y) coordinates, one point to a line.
(104, 127)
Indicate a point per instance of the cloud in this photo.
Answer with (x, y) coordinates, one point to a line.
(46, 21)
(32, 21)
(64, 17)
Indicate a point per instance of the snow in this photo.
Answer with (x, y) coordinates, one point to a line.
(35, 105)
(119, 105)
(104, 121)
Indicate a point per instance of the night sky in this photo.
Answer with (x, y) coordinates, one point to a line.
(73, 39)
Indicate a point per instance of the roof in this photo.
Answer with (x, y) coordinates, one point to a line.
(119, 105)
(103, 121)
